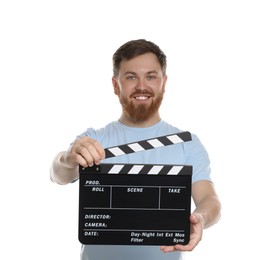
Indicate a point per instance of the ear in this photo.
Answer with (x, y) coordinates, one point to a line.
(115, 85)
(164, 83)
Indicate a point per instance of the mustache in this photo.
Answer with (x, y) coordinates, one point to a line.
(142, 92)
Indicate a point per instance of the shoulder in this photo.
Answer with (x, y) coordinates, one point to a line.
(98, 133)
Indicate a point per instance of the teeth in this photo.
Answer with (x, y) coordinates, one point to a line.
(142, 97)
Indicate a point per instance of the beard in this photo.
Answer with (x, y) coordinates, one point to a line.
(140, 113)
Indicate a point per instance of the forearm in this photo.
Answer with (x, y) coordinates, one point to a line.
(60, 173)
(209, 208)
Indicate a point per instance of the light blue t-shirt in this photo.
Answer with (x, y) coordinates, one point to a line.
(188, 153)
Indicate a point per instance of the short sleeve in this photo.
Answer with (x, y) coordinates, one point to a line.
(198, 157)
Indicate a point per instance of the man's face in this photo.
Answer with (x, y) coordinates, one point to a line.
(140, 87)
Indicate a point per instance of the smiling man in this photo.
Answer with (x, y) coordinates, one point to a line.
(139, 80)
(140, 85)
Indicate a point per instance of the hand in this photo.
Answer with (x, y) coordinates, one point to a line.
(196, 221)
(85, 151)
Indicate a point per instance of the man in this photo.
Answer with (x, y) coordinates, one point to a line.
(139, 80)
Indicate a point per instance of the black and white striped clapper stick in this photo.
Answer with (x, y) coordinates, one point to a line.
(148, 144)
(141, 169)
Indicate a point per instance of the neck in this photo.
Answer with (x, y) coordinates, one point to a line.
(146, 123)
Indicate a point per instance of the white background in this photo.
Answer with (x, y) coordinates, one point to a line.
(55, 78)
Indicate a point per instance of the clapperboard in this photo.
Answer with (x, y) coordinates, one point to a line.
(136, 204)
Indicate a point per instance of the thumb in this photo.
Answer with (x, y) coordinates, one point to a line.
(195, 218)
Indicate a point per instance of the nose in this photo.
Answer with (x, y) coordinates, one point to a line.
(140, 84)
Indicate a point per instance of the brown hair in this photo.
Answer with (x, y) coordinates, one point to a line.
(135, 48)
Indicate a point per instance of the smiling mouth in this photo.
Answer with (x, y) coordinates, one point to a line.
(142, 97)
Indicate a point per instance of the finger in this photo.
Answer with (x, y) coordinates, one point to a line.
(85, 153)
(196, 217)
(189, 247)
(93, 155)
(99, 149)
(193, 218)
(167, 249)
(178, 247)
(97, 152)
(81, 160)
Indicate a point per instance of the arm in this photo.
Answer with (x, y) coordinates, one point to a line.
(207, 203)
(85, 151)
(60, 172)
(206, 214)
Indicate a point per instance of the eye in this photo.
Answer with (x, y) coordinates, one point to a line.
(131, 77)
(150, 77)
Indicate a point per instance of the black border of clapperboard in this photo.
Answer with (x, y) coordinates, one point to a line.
(123, 237)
